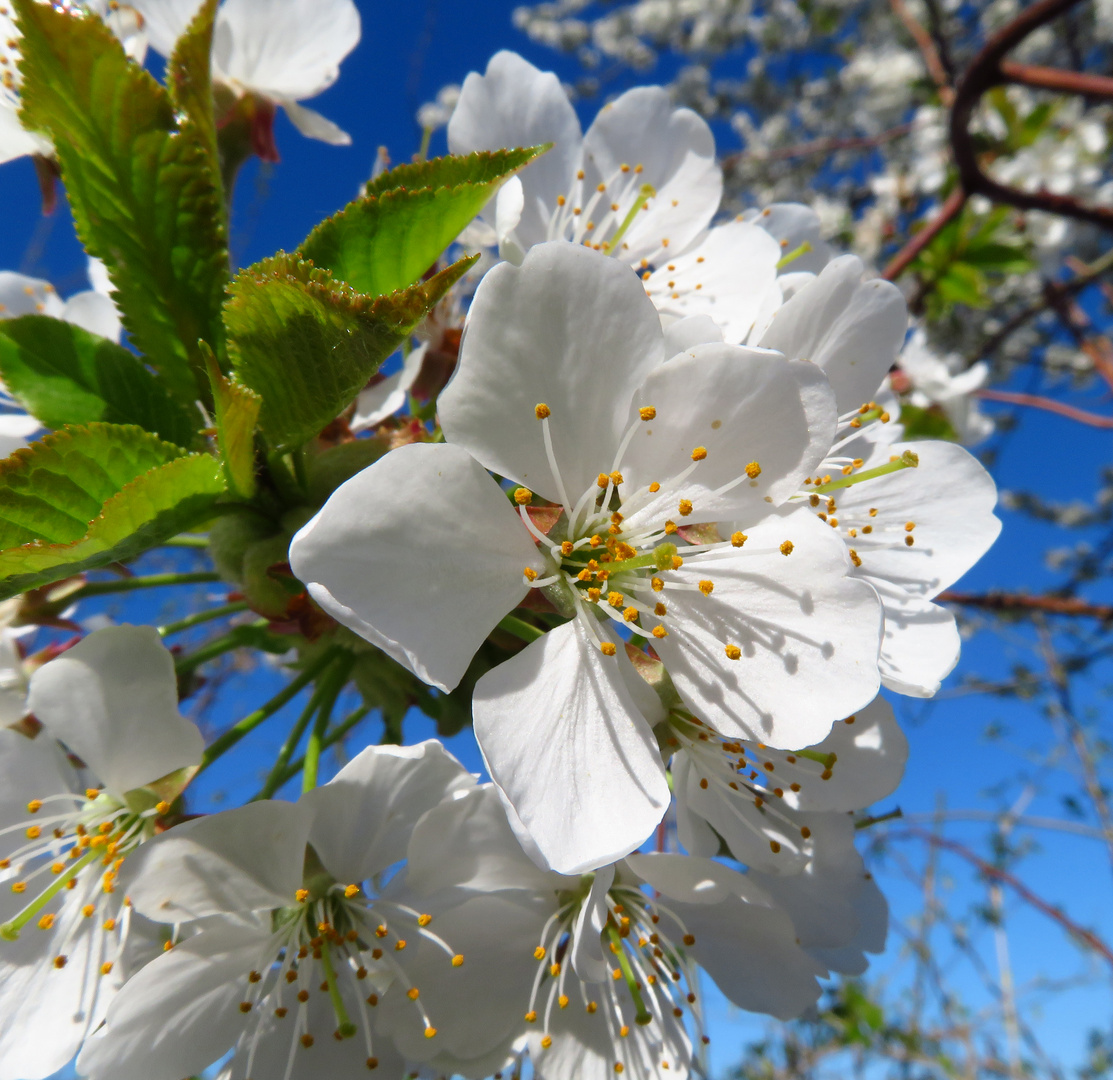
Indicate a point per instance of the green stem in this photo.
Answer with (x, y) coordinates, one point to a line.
(520, 628)
(186, 541)
(337, 679)
(643, 1015)
(866, 822)
(130, 584)
(217, 647)
(907, 460)
(426, 138)
(202, 617)
(330, 739)
(793, 255)
(9, 931)
(344, 1025)
(250, 722)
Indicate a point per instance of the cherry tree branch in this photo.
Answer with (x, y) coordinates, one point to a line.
(932, 60)
(1037, 401)
(1019, 602)
(1064, 82)
(950, 209)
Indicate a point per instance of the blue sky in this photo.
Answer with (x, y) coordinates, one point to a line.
(408, 51)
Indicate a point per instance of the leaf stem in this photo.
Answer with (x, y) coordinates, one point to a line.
(520, 628)
(330, 739)
(202, 617)
(217, 647)
(149, 581)
(336, 681)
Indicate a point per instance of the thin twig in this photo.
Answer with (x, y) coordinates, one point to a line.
(1037, 401)
(950, 209)
(1019, 602)
(1065, 82)
(932, 60)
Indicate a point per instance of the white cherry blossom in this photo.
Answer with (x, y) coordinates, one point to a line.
(563, 387)
(275, 923)
(66, 936)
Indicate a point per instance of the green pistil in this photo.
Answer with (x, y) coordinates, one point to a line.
(9, 931)
(344, 1023)
(639, 562)
(793, 255)
(826, 760)
(647, 193)
(643, 1015)
(907, 460)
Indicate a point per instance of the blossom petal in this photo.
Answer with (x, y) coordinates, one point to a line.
(113, 700)
(421, 554)
(364, 816)
(872, 912)
(571, 329)
(515, 104)
(692, 829)
(30, 769)
(852, 329)
(246, 859)
(95, 312)
(180, 1013)
(726, 275)
(164, 21)
(15, 430)
(286, 51)
(385, 398)
(584, 775)
(778, 415)
(685, 334)
(587, 945)
(23, 295)
(689, 879)
(792, 225)
(921, 644)
(676, 152)
(807, 635)
(313, 125)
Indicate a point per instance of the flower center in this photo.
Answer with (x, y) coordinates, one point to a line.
(600, 217)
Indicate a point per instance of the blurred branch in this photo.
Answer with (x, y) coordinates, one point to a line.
(823, 146)
(1019, 602)
(950, 209)
(924, 42)
(1036, 401)
(1064, 82)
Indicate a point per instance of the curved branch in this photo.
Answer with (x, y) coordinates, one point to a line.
(1065, 82)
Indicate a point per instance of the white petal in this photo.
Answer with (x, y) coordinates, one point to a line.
(695, 835)
(587, 944)
(181, 1012)
(510, 203)
(467, 843)
(676, 150)
(751, 953)
(725, 275)
(514, 104)
(29, 769)
(164, 21)
(385, 398)
(289, 49)
(852, 329)
(584, 774)
(15, 140)
(95, 312)
(315, 126)
(364, 816)
(22, 295)
(422, 554)
(113, 700)
(808, 636)
(689, 879)
(792, 225)
(246, 859)
(741, 405)
(571, 329)
(872, 911)
(871, 753)
(692, 330)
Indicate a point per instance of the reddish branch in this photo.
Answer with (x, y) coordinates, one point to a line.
(934, 62)
(987, 71)
(1036, 401)
(1064, 82)
(1017, 602)
(823, 146)
(1088, 937)
(950, 209)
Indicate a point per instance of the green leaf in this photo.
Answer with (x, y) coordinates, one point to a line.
(307, 344)
(388, 239)
(237, 411)
(141, 179)
(920, 423)
(88, 496)
(189, 75)
(1003, 258)
(963, 284)
(62, 374)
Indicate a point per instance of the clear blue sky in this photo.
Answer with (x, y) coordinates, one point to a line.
(408, 51)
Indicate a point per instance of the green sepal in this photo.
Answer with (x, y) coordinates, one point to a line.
(62, 374)
(386, 240)
(307, 343)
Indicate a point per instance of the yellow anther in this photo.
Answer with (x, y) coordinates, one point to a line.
(699, 453)
(19, 887)
(685, 507)
(430, 1032)
(596, 540)
(909, 540)
(458, 960)
(619, 1067)
(660, 632)
(245, 1006)
(855, 558)
(909, 526)
(616, 478)
(657, 584)
(88, 911)
(307, 1040)
(162, 808)
(46, 922)
(630, 614)
(529, 573)
(522, 496)
(654, 487)
(34, 806)
(106, 968)
(705, 587)
(670, 527)
(34, 832)
(885, 418)
(677, 562)
(59, 962)
(400, 944)
(602, 480)
(542, 411)
(593, 594)
(539, 953)
(91, 793)
(301, 895)
(567, 547)
(733, 652)
(607, 648)
(531, 1017)
(579, 174)
(615, 599)
(624, 1031)
(57, 868)
(753, 470)
(424, 920)
(561, 200)
(787, 547)
(737, 539)
(110, 925)
(413, 993)
(647, 412)
(546, 1042)
(562, 1001)
(774, 847)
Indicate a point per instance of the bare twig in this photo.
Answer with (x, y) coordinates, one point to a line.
(950, 209)
(932, 60)
(1036, 401)
(1018, 602)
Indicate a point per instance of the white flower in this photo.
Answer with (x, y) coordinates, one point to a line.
(276, 922)
(946, 383)
(601, 969)
(278, 52)
(563, 387)
(111, 699)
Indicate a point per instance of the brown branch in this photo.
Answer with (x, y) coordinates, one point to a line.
(1035, 401)
(996, 874)
(823, 146)
(1064, 82)
(934, 63)
(1018, 602)
(950, 209)
(984, 73)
